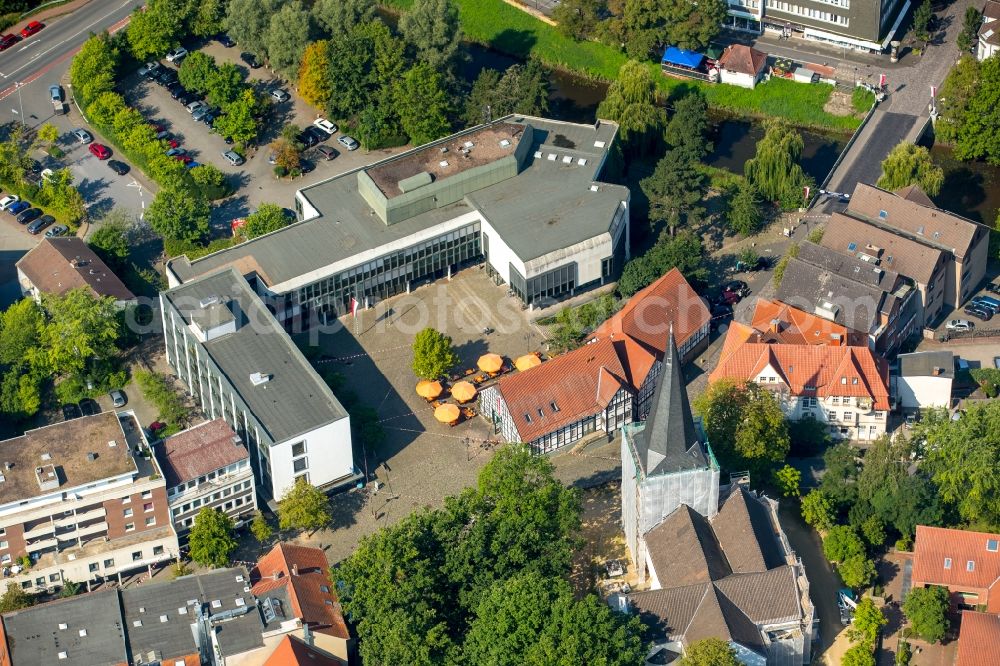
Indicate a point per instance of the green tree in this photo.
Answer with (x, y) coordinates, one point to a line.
(818, 510)
(650, 24)
(207, 18)
(70, 589)
(154, 29)
(20, 392)
(158, 390)
(520, 89)
(247, 22)
(868, 621)
(111, 239)
(176, 213)
(260, 528)
(744, 215)
(922, 16)
(196, 71)
(839, 480)
(211, 538)
(304, 507)
(908, 164)
(788, 479)
(676, 189)
(960, 85)
(683, 252)
(47, 134)
(862, 654)
(710, 652)
(378, 127)
(432, 28)
(225, 85)
(775, 170)
(239, 121)
(94, 69)
(531, 619)
(577, 18)
(20, 331)
(267, 218)
(210, 182)
(977, 137)
(857, 571)
(969, 37)
(841, 543)
(873, 530)
(433, 354)
(14, 599)
(341, 16)
(689, 125)
(80, 327)
(315, 86)
(631, 102)
(927, 610)
(286, 37)
(422, 104)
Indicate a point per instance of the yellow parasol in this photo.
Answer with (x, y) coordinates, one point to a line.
(429, 389)
(527, 362)
(463, 391)
(447, 413)
(490, 362)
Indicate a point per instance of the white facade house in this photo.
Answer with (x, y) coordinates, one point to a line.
(988, 44)
(240, 365)
(923, 380)
(742, 66)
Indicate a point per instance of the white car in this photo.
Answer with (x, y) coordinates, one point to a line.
(280, 96)
(177, 54)
(82, 135)
(960, 325)
(8, 201)
(194, 106)
(325, 125)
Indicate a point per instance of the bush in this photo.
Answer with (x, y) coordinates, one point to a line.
(988, 380)
(904, 543)
(168, 402)
(280, 171)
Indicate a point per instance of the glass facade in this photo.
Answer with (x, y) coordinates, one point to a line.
(552, 284)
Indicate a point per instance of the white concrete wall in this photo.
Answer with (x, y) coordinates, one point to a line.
(923, 392)
(738, 79)
(329, 453)
(501, 256)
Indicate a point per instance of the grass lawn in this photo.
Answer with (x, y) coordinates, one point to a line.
(509, 30)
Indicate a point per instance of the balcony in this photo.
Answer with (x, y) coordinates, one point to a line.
(40, 544)
(93, 514)
(39, 530)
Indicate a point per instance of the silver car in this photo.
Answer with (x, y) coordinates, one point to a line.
(960, 325)
(348, 142)
(82, 135)
(233, 157)
(118, 398)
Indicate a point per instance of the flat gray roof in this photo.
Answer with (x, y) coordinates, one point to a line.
(923, 364)
(547, 206)
(35, 635)
(295, 399)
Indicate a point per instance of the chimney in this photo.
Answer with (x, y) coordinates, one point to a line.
(775, 326)
(295, 569)
(936, 371)
(307, 636)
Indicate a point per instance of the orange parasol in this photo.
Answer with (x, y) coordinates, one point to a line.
(463, 391)
(429, 389)
(490, 362)
(447, 413)
(527, 362)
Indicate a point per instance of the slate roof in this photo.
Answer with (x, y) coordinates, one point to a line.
(808, 286)
(845, 262)
(684, 549)
(934, 544)
(979, 639)
(668, 304)
(743, 528)
(743, 60)
(669, 441)
(989, 32)
(924, 364)
(915, 194)
(57, 265)
(901, 254)
(199, 450)
(778, 322)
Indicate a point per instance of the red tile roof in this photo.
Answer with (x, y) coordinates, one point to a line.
(58, 265)
(292, 651)
(743, 60)
(199, 450)
(979, 640)
(934, 544)
(807, 370)
(794, 326)
(304, 572)
(649, 314)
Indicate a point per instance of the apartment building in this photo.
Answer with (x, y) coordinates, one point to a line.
(860, 25)
(207, 466)
(241, 366)
(81, 500)
(845, 388)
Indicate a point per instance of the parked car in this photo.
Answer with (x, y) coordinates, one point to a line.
(168, 77)
(233, 157)
(987, 302)
(57, 230)
(226, 41)
(26, 216)
(305, 166)
(738, 287)
(173, 143)
(194, 106)
(994, 287)
(149, 68)
(250, 59)
(210, 116)
(82, 135)
(39, 224)
(192, 164)
(119, 168)
(7, 41)
(327, 152)
(18, 207)
(89, 407)
(31, 28)
(177, 54)
(176, 91)
(56, 93)
(71, 411)
(996, 362)
(118, 398)
(199, 114)
(99, 150)
(306, 138)
(9, 201)
(978, 312)
(187, 98)
(348, 142)
(960, 325)
(183, 158)
(173, 152)
(280, 96)
(326, 126)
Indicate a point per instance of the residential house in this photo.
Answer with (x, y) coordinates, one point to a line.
(989, 32)
(240, 365)
(58, 265)
(979, 639)
(732, 577)
(742, 66)
(297, 580)
(667, 304)
(81, 501)
(924, 379)
(666, 462)
(856, 291)
(777, 322)
(207, 466)
(845, 388)
(966, 562)
(294, 651)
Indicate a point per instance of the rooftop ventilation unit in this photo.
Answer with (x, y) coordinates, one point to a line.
(112, 444)
(258, 378)
(468, 144)
(582, 162)
(443, 163)
(504, 143)
(551, 157)
(46, 456)
(538, 154)
(594, 188)
(567, 159)
(444, 149)
(207, 301)
(47, 477)
(91, 456)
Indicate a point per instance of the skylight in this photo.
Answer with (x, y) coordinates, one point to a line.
(991, 545)
(851, 247)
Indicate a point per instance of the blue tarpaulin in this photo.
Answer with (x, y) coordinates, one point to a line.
(682, 57)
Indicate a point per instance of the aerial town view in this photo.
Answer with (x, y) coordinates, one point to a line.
(499, 332)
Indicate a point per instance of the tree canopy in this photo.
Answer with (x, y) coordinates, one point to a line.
(744, 215)
(433, 354)
(970, 109)
(422, 104)
(710, 652)
(433, 28)
(676, 189)
(341, 16)
(267, 218)
(775, 170)
(520, 89)
(649, 25)
(286, 37)
(631, 102)
(927, 610)
(908, 164)
(14, 599)
(179, 214)
(211, 538)
(683, 252)
(248, 21)
(971, 23)
(689, 125)
(304, 507)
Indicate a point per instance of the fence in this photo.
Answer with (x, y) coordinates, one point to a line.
(971, 336)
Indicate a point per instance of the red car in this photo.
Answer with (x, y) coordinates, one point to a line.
(100, 151)
(31, 28)
(7, 41)
(174, 143)
(183, 158)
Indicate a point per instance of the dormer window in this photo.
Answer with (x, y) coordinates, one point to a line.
(527, 417)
